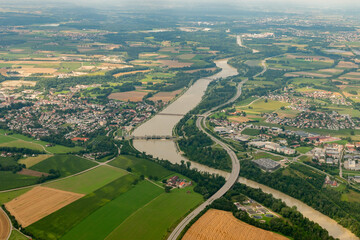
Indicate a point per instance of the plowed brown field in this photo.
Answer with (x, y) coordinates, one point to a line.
(5, 226)
(221, 225)
(38, 203)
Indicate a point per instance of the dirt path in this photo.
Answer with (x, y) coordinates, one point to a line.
(5, 226)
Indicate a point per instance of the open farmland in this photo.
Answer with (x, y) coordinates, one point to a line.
(132, 96)
(165, 96)
(114, 213)
(8, 196)
(140, 166)
(221, 225)
(9, 180)
(57, 224)
(89, 181)
(5, 226)
(262, 106)
(16, 235)
(31, 161)
(38, 203)
(66, 164)
(158, 216)
(30, 172)
(18, 83)
(174, 63)
(131, 72)
(343, 64)
(23, 144)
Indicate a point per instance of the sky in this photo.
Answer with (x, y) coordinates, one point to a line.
(241, 4)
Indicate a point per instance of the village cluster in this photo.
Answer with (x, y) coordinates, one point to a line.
(73, 118)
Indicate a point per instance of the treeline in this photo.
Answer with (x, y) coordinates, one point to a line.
(306, 185)
(217, 93)
(292, 223)
(180, 80)
(16, 167)
(53, 174)
(20, 150)
(58, 139)
(197, 146)
(127, 69)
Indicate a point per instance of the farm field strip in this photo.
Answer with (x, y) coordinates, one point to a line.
(31, 161)
(221, 225)
(89, 181)
(74, 213)
(66, 164)
(158, 216)
(114, 213)
(38, 203)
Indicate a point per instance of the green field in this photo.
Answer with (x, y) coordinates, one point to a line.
(114, 213)
(23, 144)
(60, 222)
(66, 164)
(158, 217)
(245, 101)
(351, 196)
(89, 181)
(5, 139)
(8, 196)
(62, 149)
(15, 235)
(303, 150)
(262, 106)
(9, 180)
(251, 132)
(140, 166)
(18, 140)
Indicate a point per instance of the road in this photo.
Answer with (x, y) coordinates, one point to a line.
(229, 182)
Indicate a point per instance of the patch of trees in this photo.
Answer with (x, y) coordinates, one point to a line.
(58, 139)
(13, 168)
(20, 150)
(180, 80)
(53, 174)
(197, 146)
(216, 94)
(307, 185)
(102, 143)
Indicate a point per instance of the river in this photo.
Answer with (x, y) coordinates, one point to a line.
(162, 125)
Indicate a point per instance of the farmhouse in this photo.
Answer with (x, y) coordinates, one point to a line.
(267, 164)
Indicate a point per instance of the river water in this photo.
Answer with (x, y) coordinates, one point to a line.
(162, 125)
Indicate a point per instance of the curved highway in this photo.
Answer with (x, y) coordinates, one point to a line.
(232, 179)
